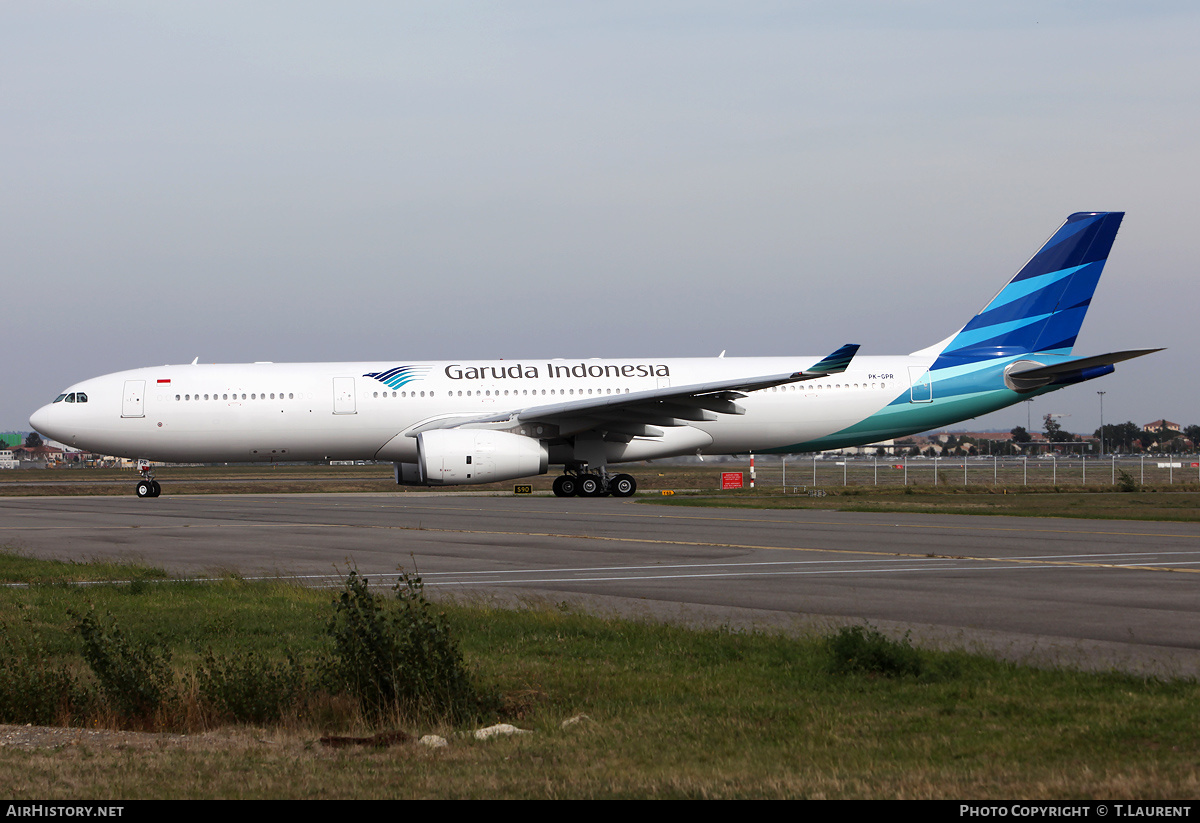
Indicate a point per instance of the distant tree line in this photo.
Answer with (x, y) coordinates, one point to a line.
(1123, 438)
(1128, 437)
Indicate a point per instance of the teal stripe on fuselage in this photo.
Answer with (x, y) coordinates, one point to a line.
(897, 421)
(964, 378)
(959, 392)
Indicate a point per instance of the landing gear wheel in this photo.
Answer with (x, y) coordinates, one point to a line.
(147, 486)
(623, 485)
(566, 486)
(590, 486)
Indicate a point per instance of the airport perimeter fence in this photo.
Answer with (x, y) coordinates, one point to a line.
(801, 472)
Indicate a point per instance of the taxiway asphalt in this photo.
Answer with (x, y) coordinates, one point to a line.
(1096, 593)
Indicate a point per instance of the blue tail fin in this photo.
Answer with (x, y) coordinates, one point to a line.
(1042, 307)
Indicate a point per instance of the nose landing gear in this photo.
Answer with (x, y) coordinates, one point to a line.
(147, 486)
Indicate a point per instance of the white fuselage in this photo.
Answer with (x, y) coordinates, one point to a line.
(318, 411)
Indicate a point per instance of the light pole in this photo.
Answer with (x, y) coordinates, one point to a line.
(1101, 422)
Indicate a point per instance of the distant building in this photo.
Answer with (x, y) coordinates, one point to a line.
(996, 437)
(869, 448)
(40, 455)
(1159, 425)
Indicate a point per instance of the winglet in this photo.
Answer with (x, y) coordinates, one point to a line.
(835, 363)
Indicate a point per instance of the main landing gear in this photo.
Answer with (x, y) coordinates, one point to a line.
(585, 484)
(147, 486)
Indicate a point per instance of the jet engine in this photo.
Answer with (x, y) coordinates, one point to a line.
(448, 457)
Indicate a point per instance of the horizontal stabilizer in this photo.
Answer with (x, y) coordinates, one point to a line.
(1082, 363)
(1027, 375)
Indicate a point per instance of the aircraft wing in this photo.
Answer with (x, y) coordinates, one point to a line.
(637, 413)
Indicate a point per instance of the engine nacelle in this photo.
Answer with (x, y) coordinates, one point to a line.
(449, 457)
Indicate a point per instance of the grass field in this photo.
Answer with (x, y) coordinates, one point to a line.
(658, 711)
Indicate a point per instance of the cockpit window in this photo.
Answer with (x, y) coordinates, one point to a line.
(71, 398)
(60, 398)
(80, 397)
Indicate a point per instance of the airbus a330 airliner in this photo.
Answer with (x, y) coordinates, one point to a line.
(470, 422)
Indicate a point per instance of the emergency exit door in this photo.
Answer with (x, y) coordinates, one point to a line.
(343, 395)
(133, 399)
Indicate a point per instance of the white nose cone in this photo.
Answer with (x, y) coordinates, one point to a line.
(41, 421)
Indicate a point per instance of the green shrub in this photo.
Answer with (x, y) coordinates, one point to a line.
(401, 658)
(250, 689)
(865, 650)
(134, 676)
(33, 690)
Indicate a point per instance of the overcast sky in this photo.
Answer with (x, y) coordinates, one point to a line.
(427, 180)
